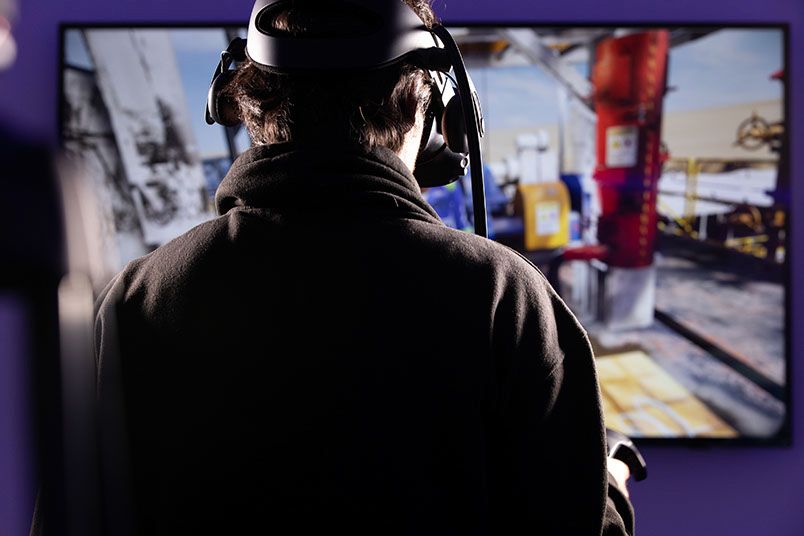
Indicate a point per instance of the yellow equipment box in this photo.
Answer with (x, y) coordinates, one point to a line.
(544, 208)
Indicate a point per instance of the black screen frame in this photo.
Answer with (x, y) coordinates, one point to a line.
(783, 438)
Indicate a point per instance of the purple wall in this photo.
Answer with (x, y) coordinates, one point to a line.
(734, 491)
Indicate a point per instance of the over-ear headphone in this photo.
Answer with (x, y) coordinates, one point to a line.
(389, 32)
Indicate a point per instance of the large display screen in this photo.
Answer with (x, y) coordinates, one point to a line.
(643, 169)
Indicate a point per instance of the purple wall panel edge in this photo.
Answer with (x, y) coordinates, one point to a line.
(736, 490)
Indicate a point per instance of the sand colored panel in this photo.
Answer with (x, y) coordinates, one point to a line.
(655, 421)
(624, 392)
(621, 424)
(609, 407)
(663, 387)
(642, 400)
(610, 369)
(700, 418)
(638, 364)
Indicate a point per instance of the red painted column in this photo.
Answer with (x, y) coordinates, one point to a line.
(629, 77)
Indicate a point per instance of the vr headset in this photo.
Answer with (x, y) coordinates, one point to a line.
(388, 32)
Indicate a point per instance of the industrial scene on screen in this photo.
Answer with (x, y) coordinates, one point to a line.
(644, 170)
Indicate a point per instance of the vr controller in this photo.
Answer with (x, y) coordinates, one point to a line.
(620, 447)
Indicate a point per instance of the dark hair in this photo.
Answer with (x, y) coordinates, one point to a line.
(373, 109)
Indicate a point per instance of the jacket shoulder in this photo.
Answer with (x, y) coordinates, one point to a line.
(495, 260)
(166, 269)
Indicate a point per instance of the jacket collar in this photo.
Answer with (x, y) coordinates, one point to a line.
(286, 177)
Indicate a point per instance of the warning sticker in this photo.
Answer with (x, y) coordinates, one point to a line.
(622, 146)
(548, 218)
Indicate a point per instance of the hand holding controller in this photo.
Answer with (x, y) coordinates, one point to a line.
(621, 447)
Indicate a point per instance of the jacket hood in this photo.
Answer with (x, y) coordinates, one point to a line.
(289, 177)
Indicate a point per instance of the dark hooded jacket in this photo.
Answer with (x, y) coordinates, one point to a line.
(326, 356)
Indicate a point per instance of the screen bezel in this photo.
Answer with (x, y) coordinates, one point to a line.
(783, 438)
